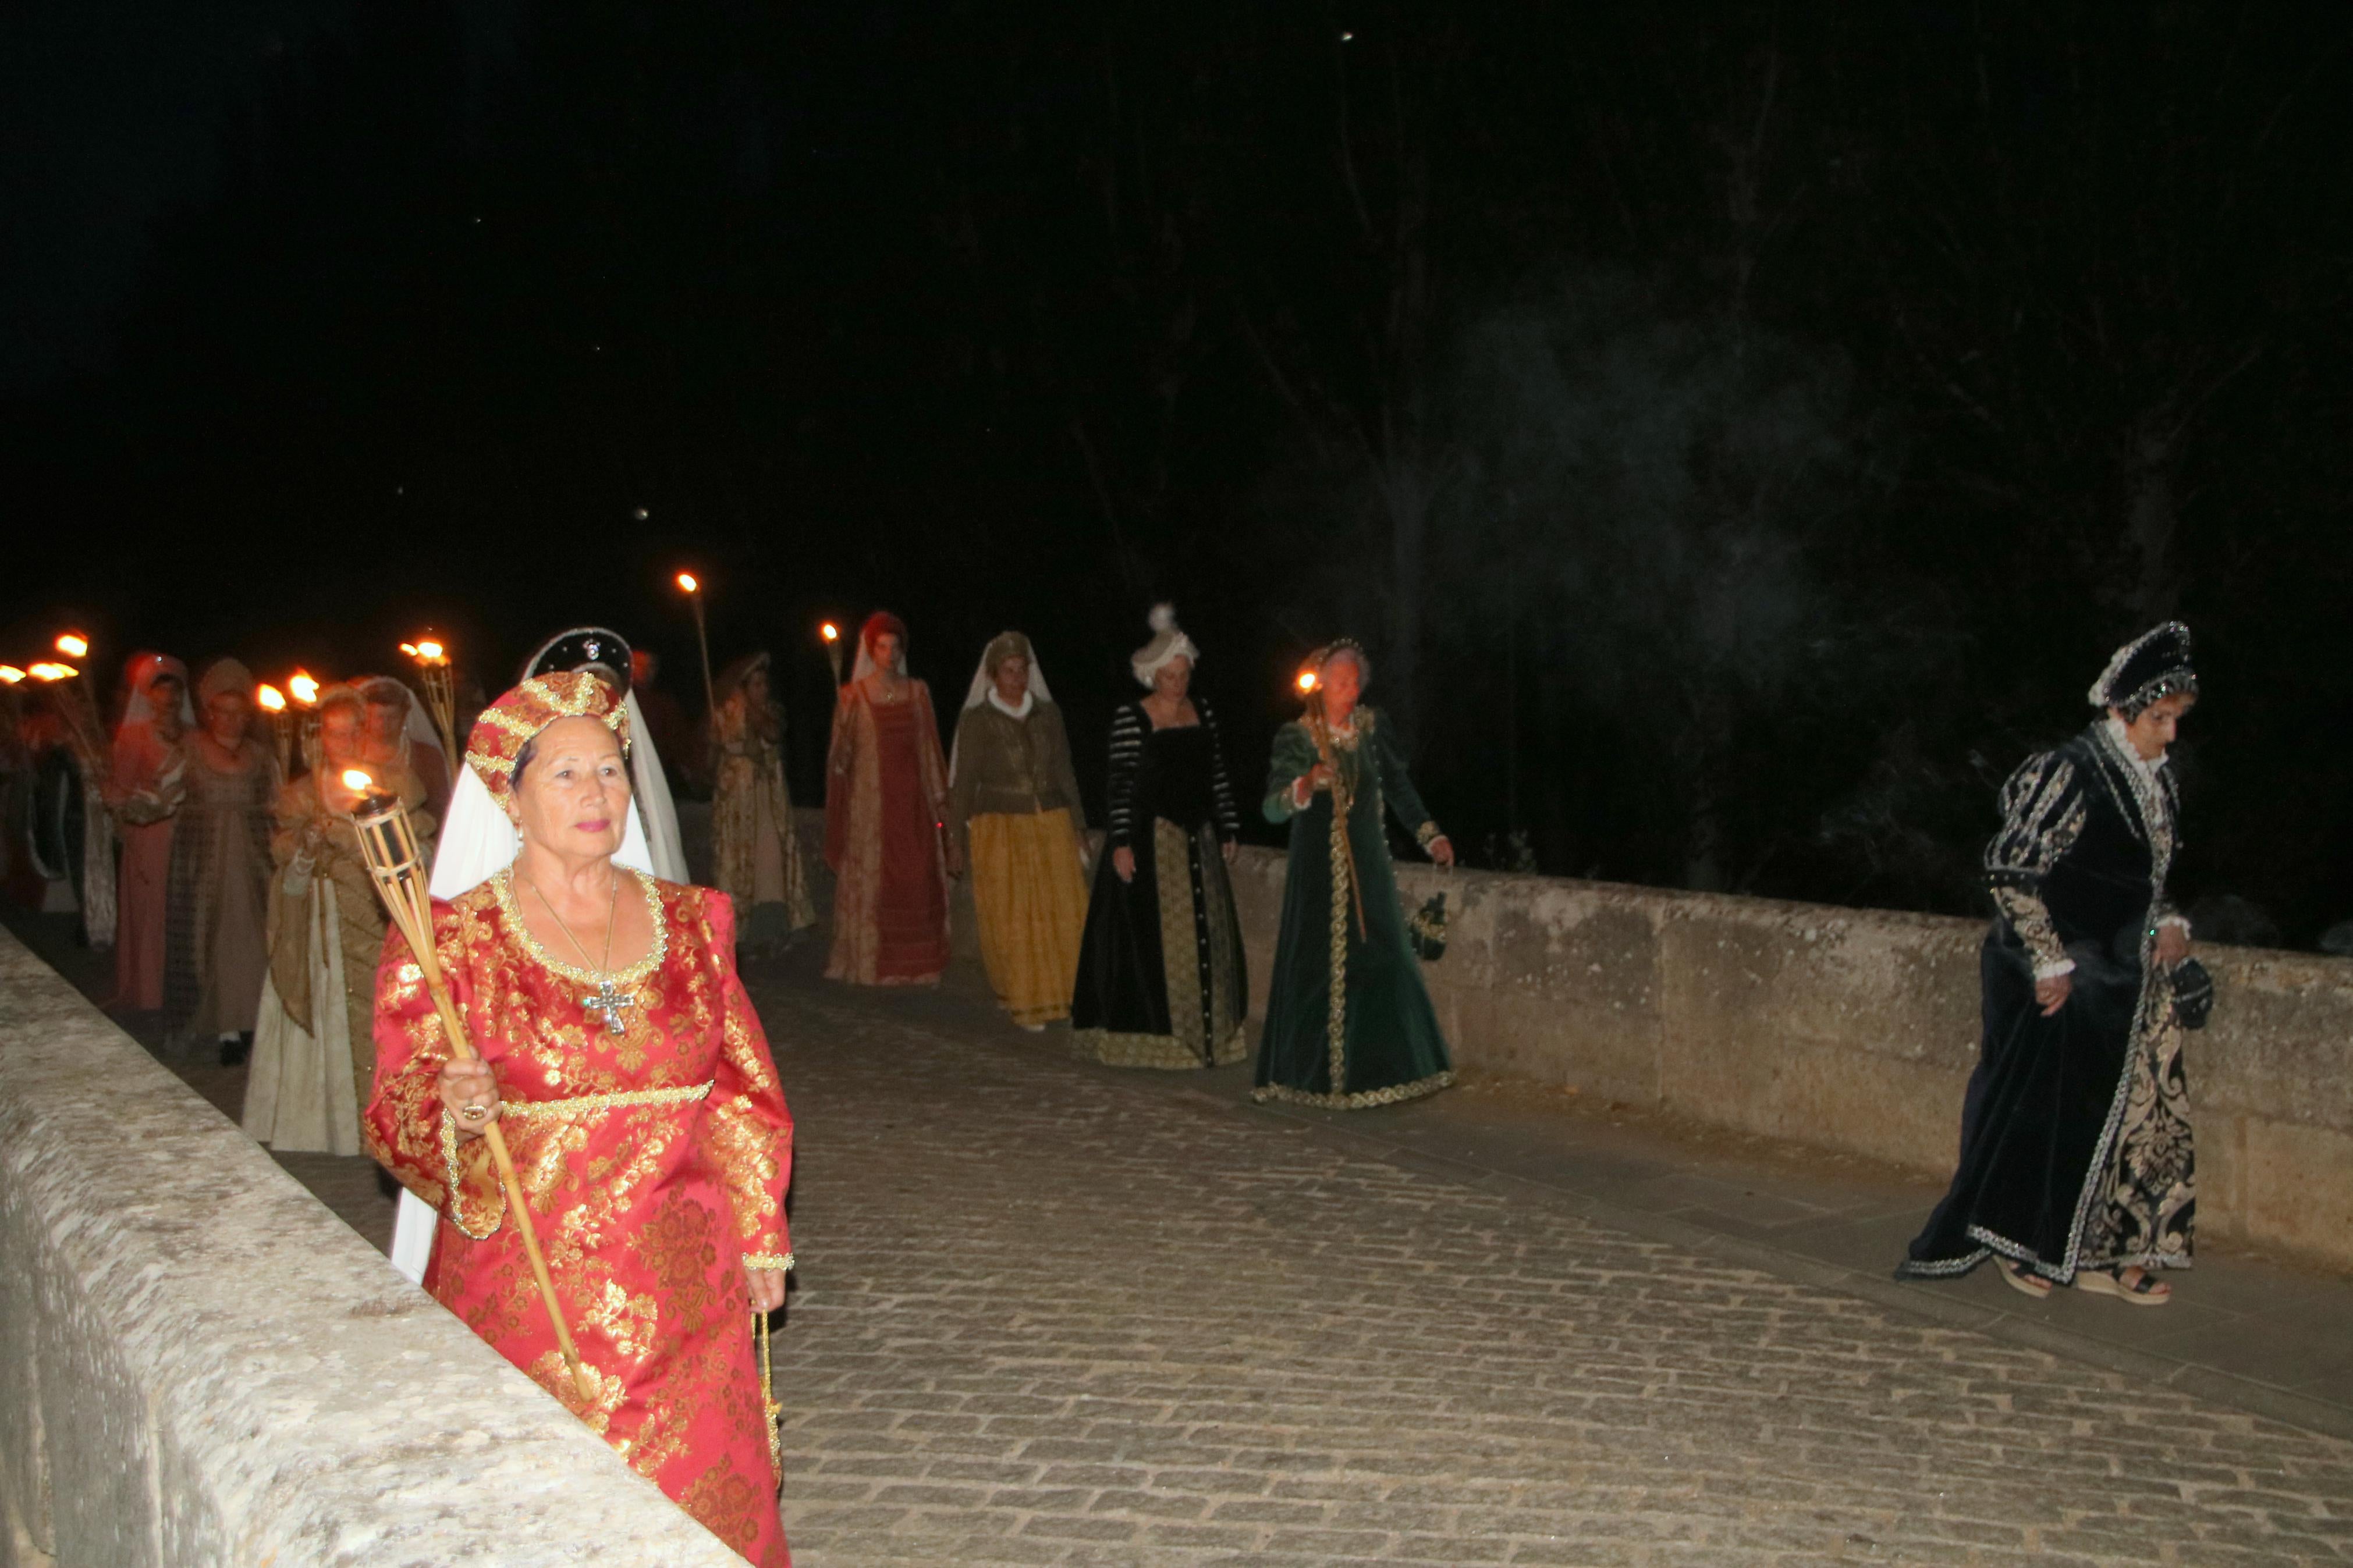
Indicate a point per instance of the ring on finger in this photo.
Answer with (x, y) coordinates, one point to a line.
(475, 1113)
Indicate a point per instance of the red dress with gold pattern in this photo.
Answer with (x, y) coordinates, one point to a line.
(656, 1159)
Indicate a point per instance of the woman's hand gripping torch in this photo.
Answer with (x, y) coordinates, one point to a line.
(389, 842)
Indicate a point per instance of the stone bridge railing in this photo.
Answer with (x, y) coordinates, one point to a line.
(1848, 1030)
(201, 1366)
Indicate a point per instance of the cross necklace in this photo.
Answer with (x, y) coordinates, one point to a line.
(608, 999)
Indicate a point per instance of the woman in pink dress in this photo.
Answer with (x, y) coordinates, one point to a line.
(142, 791)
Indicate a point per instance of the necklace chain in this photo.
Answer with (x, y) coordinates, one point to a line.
(612, 904)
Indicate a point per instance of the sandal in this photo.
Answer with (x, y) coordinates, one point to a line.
(2145, 1292)
(2024, 1280)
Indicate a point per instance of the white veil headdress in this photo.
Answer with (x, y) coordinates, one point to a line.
(654, 812)
(984, 687)
(479, 841)
(140, 708)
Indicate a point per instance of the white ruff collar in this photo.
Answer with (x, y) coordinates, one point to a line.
(2146, 767)
(1028, 700)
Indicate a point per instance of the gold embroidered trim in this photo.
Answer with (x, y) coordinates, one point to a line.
(1121, 1048)
(777, 1261)
(455, 1175)
(619, 1099)
(1364, 1101)
(503, 886)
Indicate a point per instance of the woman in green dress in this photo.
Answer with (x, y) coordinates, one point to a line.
(1349, 1024)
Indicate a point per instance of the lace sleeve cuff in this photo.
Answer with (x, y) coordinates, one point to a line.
(777, 1262)
(1427, 834)
(2032, 921)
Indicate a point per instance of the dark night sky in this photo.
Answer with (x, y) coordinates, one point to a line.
(1740, 431)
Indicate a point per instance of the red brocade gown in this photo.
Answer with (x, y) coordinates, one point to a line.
(656, 1161)
(886, 791)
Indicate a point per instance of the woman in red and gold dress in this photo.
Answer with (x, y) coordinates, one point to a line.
(886, 795)
(637, 1096)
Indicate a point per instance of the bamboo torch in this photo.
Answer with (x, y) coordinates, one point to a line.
(439, 678)
(1311, 690)
(304, 690)
(693, 592)
(272, 702)
(831, 634)
(389, 842)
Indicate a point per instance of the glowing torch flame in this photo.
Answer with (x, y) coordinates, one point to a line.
(49, 671)
(272, 701)
(687, 583)
(305, 689)
(428, 651)
(409, 649)
(73, 645)
(357, 780)
(1306, 680)
(10, 675)
(830, 632)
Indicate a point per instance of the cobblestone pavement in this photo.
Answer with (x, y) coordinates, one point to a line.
(1049, 1315)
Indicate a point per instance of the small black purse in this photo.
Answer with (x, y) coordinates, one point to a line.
(1426, 929)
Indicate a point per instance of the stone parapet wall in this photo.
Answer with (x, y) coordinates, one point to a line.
(1852, 1030)
(1847, 1030)
(200, 1366)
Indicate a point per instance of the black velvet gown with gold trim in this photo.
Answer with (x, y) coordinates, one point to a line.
(2076, 1137)
(1161, 977)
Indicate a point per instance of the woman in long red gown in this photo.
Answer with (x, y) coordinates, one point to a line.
(886, 795)
(639, 1099)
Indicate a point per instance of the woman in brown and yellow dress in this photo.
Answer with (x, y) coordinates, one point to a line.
(1014, 818)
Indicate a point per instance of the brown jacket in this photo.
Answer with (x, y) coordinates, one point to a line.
(1012, 766)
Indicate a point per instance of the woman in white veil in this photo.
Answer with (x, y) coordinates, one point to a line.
(479, 841)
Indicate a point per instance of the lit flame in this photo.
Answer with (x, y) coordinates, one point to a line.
(409, 649)
(48, 671)
(73, 645)
(830, 632)
(357, 780)
(305, 689)
(686, 581)
(10, 675)
(272, 701)
(1306, 680)
(428, 651)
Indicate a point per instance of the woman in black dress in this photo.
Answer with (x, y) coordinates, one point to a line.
(1161, 981)
(2076, 1161)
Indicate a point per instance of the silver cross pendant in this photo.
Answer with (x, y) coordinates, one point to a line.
(610, 1000)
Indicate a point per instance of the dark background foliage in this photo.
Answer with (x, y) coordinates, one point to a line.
(1740, 431)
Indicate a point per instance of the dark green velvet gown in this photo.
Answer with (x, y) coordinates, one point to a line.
(1349, 1024)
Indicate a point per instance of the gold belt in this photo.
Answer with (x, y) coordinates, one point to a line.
(619, 1100)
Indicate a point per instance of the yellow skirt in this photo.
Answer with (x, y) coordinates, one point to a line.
(1033, 910)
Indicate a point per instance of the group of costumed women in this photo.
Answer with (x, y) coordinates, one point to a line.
(1149, 969)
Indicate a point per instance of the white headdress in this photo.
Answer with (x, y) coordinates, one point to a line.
(1002, 646)
(140, 708)
(1167, 642)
